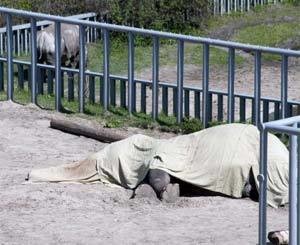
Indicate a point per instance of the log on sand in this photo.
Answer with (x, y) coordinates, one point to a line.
(97, 133)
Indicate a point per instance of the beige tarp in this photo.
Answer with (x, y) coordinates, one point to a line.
(218, 159)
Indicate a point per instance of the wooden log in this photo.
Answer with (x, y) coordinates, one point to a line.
(101, 134)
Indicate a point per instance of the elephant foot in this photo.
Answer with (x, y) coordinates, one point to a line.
(144, 191)
(171, 193)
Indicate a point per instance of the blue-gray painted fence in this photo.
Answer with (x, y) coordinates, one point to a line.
(160, 92)
(228, 6)
(290, 127)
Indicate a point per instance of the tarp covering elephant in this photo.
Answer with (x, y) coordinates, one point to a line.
(218, 159)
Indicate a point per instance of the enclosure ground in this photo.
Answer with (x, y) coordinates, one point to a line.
(60, 213)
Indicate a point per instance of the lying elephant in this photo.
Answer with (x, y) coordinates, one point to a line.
(222, 159)
(168, 188)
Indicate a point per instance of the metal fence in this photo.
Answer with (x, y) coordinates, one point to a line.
(228, 6)
(21, 34)
(288, 126)
(123, 91)
(129, 88)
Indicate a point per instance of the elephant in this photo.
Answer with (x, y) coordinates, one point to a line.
(70, 48)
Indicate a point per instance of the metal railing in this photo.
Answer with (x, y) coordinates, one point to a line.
(288, 126)
(21, 34)
(228, 6)
(159, 89)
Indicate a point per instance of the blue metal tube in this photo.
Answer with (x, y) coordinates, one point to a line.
(257, 88)
(231, 68)
(180, 67)
(262, 178)
(130, 72)
(58, 80)
(33, 60)
(10, 66)
(155, 77)
(293, 170)
(284, 86)
(82, 66)
(205, 86)
(106, 69)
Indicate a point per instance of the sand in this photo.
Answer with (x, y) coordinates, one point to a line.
(60, 213)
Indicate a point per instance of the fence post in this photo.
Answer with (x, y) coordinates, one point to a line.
(293, 172)
(257, 88)
(284, 85)
(205, 86)
(33, 60)
(155, 75)
(58, 79)
(131, 96)
(1, 76)
(105, 69)
(10, 66)
(82, 65)
(231, 68)
(180, 67)
(70, 86)
(262, 178)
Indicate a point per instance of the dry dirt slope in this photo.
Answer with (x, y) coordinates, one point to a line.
(97, 214)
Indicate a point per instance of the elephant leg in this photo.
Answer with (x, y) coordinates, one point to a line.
(160, 181)
(250, 189)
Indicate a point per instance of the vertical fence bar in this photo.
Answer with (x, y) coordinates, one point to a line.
(105, 69)
(276, 111)
(186, 103)
(50, 75)
(1, 76)
(293, 170)
(180, 70)
(18, 43)
(265, 111)
(174, 101)
(92, 89)
(262, 178)
(231, 68)
(81, 67)
(1, 44)
(10, 66)
(143, 97)
(220, 108)
(123, 93)
(113, 92)
(155, 75)
(58, 79)
(197, 104)
(70, 86)
(242, 109)
(284, 85)
(205, 86)
(130, 72)
(165, 100)
(26, 41)
(20, 76)
(298, 187)
(257, 88)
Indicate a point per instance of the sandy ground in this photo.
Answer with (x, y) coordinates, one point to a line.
(59, 213)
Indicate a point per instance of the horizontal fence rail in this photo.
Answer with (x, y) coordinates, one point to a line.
(22, 33)
(147, 96)
(228, 6)
(288, 126)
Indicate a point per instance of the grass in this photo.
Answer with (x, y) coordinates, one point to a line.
(115, 117)
(143, 56)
